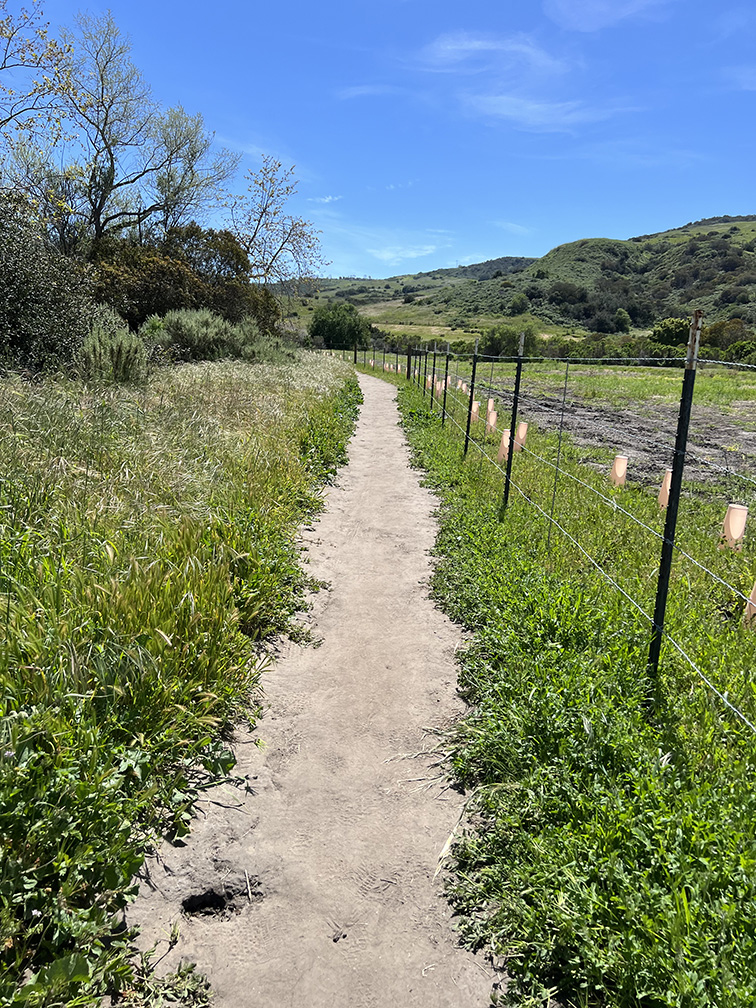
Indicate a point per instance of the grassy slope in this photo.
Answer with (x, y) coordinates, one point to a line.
(148, 550)
(609, 857)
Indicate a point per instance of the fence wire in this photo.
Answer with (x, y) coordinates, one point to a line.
(455, 399)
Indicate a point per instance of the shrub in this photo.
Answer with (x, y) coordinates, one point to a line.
(110, 352)
(193, 335)
(45, 304)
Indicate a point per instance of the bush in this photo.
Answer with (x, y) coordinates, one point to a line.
(198, 334)
(110, 352)
(45, 303)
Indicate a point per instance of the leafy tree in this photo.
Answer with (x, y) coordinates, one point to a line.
(743, 350)
(671, 331)
(338, 325)
(221, 268)
(137, 281)
(33, 74)
(504, 341)
(622, 320)
(519, 304)
(728, 331)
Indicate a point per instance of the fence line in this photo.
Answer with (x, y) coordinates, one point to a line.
(417, 372)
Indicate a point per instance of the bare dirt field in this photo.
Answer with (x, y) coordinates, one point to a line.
(316, 887)
(720, 442)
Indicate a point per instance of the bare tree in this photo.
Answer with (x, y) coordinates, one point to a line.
(134, 165)
(282, 249)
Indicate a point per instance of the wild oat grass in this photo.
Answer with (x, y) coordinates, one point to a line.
(147, 546)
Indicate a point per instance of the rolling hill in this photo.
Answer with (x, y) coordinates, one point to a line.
(577, 287)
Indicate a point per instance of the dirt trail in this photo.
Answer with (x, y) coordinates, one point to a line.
(341, 835)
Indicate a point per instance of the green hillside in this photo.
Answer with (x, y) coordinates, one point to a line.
(580, 286)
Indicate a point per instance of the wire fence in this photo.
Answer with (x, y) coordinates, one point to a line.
(547, 413)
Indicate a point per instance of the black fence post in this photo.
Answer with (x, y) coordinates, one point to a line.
(433, 377)
(446, 383)
(512, 426)
(425, 372)
(355, 351)
(472, 396)
(409, 364)
(673, 506)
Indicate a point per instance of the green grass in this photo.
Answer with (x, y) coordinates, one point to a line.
(619, 385)
(148, 552)
(609, 853)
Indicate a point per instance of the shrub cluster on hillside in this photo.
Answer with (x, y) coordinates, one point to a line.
(606, 286)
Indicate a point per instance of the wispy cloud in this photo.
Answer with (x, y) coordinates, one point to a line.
(633, 153)
(511, 78)
(462, 51)
(547, 116)
(593, 15)
(517, 229)
(367, 91)
(393, 255)
(324, 199)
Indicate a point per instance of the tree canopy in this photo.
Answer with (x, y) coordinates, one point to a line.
(337, 325)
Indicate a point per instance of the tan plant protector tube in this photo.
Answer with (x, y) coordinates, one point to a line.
(733, 529)
(491, 421)
(664, 489)
(476, 410)
(503, 447)
(521, 435)
(618, 474)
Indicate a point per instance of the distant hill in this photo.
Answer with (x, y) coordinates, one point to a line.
(708, 264)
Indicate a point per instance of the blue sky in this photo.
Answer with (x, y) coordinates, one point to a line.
(429, 134)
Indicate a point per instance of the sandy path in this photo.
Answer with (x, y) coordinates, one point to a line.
(341, 835)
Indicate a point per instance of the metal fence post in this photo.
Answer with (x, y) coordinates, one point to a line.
(425, 372)
(446, 383)
(355, 351)
(472, 396)
(409, 364)
(433, 376)
(675, 488)
(513, 426)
